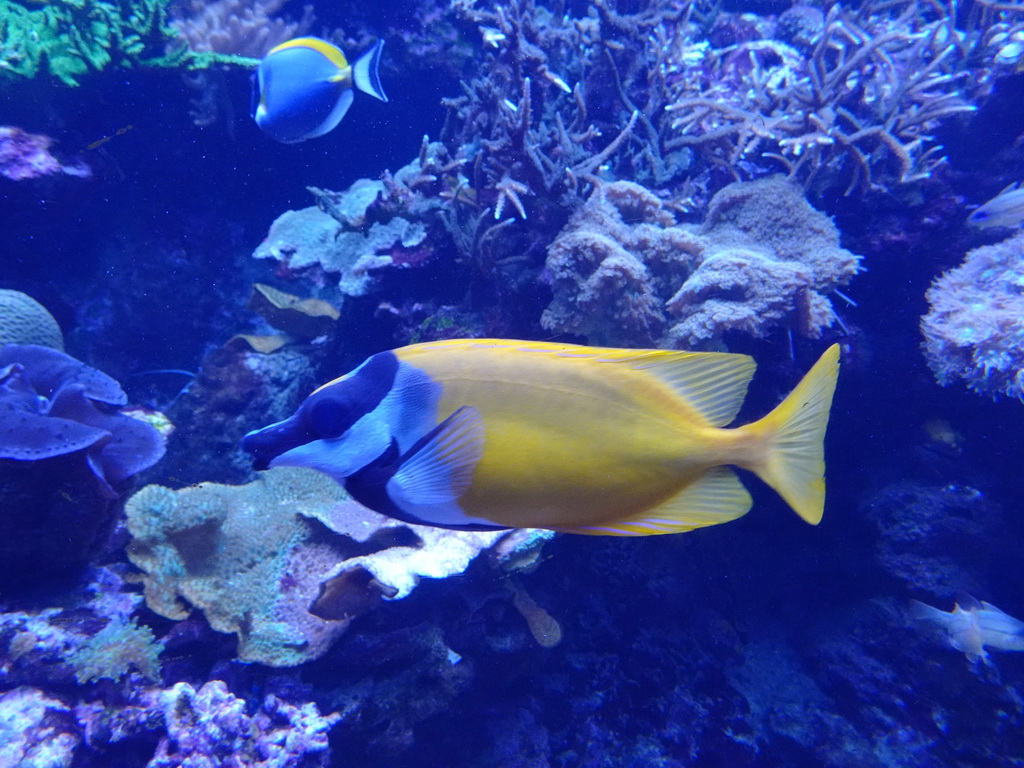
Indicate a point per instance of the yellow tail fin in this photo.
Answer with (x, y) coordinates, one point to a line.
(794, 458)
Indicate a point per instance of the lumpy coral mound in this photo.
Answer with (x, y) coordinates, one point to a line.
(974, 331)
(624, 273)
(285, 562)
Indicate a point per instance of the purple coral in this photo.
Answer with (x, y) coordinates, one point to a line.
(65, 454)
(974, 331)
(54, 405)
(25, 155)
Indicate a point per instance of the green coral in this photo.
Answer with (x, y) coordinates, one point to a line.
(285, 562)
(122, 645)
(70, 38)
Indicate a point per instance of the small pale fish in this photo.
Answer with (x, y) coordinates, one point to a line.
(974, 628)
(1004, 210)
(303, 87)
(493, 433)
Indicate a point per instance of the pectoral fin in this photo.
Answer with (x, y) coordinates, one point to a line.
(438, 469)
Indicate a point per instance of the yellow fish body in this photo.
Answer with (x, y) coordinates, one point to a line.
(485, 433)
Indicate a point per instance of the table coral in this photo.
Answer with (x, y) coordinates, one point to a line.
(974, 331)
(624, 273)
(285, 562)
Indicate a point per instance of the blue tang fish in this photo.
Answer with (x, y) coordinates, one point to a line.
(491, 433)
(303, 87)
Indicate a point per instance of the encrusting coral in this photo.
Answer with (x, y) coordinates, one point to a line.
(285, 562)
(212, 727)
(624, 273)
(974, 331)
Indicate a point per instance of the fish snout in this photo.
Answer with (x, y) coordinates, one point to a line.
(268, 443)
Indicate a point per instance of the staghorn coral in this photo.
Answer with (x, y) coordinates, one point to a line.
(238, 27)
(855, 94)
(623, 273)
(285, 562)
(524, 128)
(23, 320)
(974, 331)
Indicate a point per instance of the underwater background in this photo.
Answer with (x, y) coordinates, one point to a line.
(758, 177)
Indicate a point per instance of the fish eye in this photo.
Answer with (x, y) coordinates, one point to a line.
(979, 215)
(329, 415)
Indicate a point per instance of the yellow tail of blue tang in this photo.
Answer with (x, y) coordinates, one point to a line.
(494, 433)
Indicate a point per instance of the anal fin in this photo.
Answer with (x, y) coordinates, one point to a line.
(716, 497)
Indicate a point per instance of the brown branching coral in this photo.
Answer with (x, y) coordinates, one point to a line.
(856, 93)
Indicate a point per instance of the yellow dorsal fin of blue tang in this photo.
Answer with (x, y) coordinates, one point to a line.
(495, 433)
(303, 87)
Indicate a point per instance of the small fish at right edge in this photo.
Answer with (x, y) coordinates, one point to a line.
(972, 627)
(1004, 210)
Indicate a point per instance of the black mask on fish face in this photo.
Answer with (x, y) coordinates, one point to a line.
(329, 412)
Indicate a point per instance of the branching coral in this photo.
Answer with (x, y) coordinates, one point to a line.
(72, 37)
(524, 127)
(857, 93)
(974, 330)
(623, 273)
